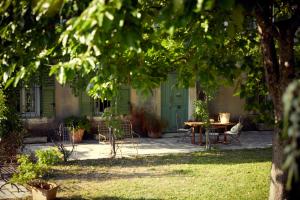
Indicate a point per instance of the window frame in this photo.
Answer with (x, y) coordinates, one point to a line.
(37, 102)
(96, 111)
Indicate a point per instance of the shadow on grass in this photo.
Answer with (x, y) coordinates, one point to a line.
(104, 198)
(208, 157)
(99, 170)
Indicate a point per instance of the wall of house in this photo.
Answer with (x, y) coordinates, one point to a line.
(226, 102)
(192, 98)
(151, 103)
(66, 103)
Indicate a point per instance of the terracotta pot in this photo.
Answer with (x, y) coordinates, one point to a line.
(47, 193)
(153, 134)
(77, 135)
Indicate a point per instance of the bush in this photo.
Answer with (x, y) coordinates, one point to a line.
(3, 113)
(29, 170)
(9, 119)
(78, 122)
(48, 157)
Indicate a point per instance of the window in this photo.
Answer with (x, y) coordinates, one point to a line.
(100, 105)
(30, 101)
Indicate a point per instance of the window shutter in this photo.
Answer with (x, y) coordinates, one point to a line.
(123, 103)
(86, 104)
(47, 94)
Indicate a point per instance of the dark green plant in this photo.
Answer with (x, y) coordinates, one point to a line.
(29, 170)
(291, 101)
(3, 113)
(200, 110)
(78, 122)
(9, 119)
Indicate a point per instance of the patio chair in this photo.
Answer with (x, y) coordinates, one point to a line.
(186, 132)
(103, 132)
(127, 133)
(235, 132)
(62, 140)
(212, 136)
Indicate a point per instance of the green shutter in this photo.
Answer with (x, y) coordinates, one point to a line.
(86, 104)
(123, 103)
(47, 94)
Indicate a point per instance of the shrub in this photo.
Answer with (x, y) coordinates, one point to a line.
(9, 119)
(29, 170)
(78, 122)
(48, 157)
(3, 113)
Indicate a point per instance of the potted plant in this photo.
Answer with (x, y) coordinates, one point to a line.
(77, 126)
(137, 118)
(153, 125)
(30, 172)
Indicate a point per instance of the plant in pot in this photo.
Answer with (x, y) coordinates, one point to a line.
(153, 125)
(77, 126)
(30, 173)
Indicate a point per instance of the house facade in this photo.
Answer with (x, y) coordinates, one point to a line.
(43, 106)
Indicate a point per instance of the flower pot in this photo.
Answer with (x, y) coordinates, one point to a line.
(43, 190)
(153, 134)
(77, 135)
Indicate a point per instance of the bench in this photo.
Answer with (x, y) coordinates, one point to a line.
(8, 167)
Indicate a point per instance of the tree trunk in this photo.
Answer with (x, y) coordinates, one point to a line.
(279, 68)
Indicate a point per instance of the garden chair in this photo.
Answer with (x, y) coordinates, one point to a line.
(186, 132)
(127, 134)
(235, 132)
(63, 141)
(211, 136)
(103, 132)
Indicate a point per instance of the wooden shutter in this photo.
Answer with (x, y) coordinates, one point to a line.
(123, 103)
(86, 104)
(47, 94)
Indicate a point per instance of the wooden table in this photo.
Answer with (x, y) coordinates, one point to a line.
(212, 124)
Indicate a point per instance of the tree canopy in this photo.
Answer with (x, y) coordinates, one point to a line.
(99, 45)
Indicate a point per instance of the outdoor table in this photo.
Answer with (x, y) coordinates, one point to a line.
(199, 124)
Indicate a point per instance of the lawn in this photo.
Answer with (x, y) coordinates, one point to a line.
(242, 174)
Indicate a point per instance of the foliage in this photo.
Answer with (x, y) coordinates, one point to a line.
(3, 112)
(75, 122)
(48, 157)
(200, 110)
(9, 119)
(29, 170)
(291, 101)
(100, 45)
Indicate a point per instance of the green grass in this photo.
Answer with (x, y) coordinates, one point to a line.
(242, 174)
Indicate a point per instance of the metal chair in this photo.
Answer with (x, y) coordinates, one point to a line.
(211, 136)
(235, 132)
(186, 132)
(103, 132)
(64, 142)
(126, 133)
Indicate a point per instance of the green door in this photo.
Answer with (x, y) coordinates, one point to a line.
(174, 103)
